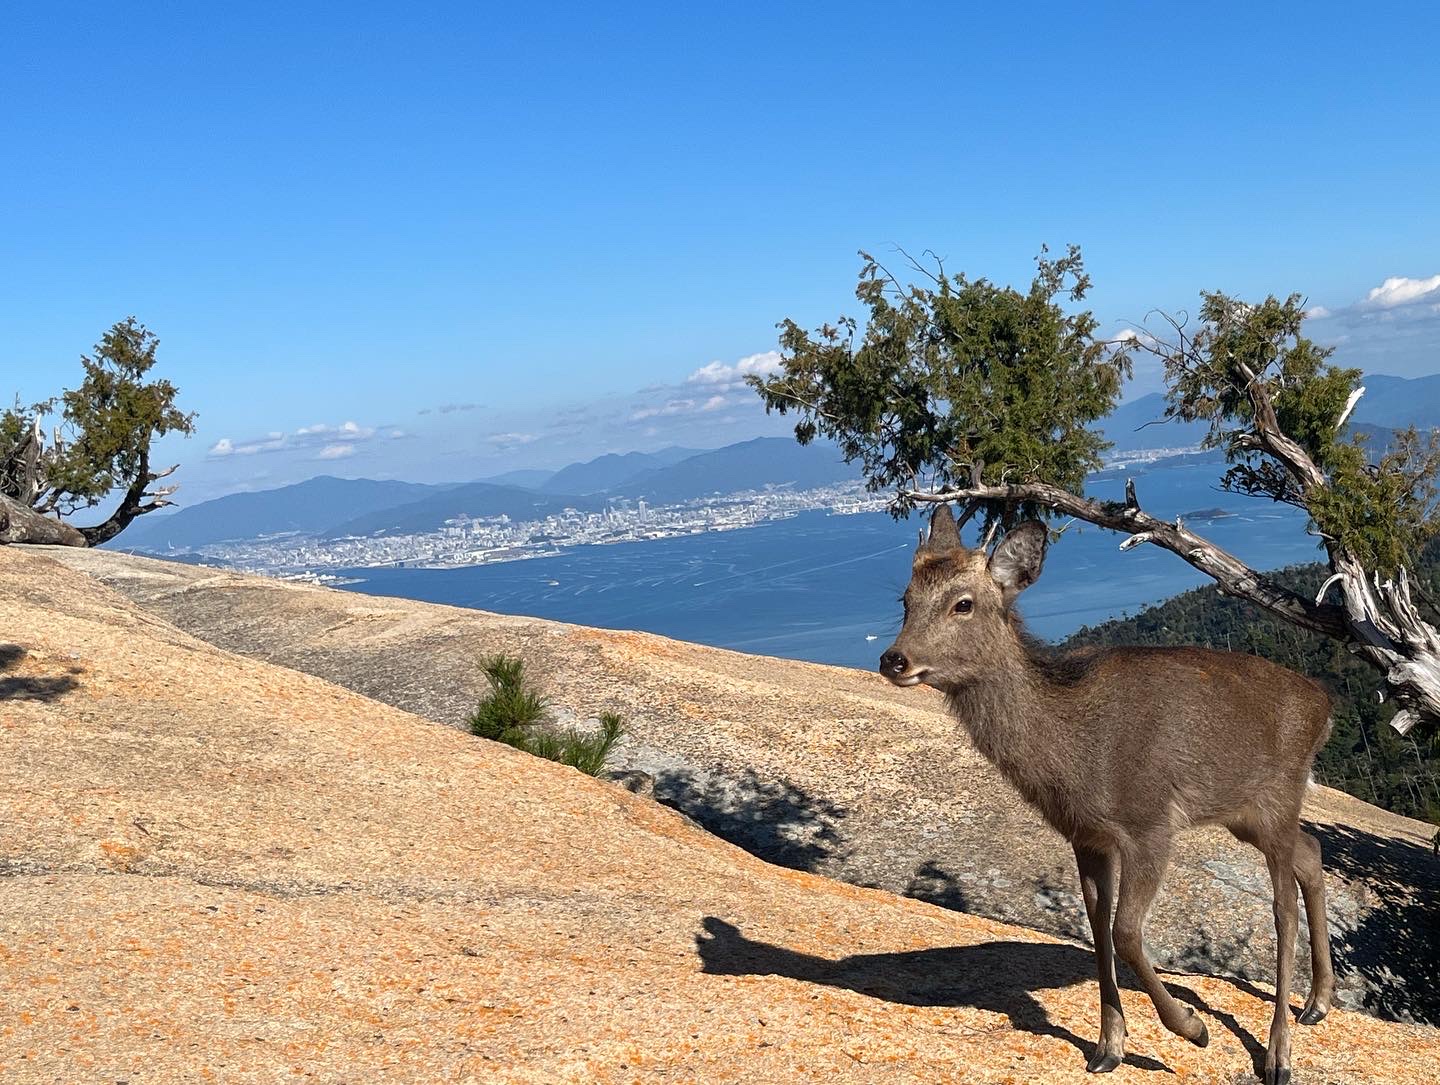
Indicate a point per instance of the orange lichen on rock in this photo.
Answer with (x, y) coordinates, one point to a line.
(121, 857)
(276, 877)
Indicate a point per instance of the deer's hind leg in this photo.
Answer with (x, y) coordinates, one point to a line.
(1097, 885)
(1311, 876)
(1289, 859)
(1142, 869)
(1280, 858)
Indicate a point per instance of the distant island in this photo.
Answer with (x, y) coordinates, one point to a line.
(1206, 515)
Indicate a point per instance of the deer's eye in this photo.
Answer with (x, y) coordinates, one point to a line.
(964, 606)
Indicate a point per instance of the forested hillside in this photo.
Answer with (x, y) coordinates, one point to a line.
(1364, 756)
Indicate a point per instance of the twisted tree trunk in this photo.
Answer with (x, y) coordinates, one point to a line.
(21, 521)
(133, 504)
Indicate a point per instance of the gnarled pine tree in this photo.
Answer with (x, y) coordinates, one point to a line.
(100, 443)
(957, 390)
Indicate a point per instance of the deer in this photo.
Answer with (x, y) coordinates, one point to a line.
(1118, 750)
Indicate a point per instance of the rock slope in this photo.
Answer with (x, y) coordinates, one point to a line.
(830, 770)
(216, 869)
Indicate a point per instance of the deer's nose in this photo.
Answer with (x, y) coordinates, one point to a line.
(894, 662)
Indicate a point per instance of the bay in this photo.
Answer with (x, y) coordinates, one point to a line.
(825, 587)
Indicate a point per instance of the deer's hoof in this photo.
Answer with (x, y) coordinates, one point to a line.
(1201, 1035)
(1312, 1015)
(1277, 1075)
(1102, 1062)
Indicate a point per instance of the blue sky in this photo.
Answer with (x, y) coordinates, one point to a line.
(342, 219)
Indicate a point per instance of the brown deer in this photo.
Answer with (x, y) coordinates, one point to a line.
(1118, 750)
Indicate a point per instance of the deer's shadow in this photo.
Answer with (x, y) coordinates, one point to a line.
(999, 977)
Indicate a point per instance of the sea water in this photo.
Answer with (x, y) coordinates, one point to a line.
(825, 587)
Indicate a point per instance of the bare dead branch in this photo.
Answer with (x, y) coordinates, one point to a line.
(1349, 406)
(1233, 575)
(1335, 578)
(133, 504)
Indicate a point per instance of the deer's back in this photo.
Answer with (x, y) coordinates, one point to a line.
(1207, 731)
(1246, 703)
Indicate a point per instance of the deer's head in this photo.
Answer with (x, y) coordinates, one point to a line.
(957, 605)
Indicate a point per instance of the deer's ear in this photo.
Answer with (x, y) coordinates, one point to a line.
(944, 534)
(1016, 562)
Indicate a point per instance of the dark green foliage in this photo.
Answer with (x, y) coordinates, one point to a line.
(952, 373)
(1383, 509)
(1364, 756)
(511, 711)
(588, 753)
(1381, 506)
(105, 426)
(516, 715)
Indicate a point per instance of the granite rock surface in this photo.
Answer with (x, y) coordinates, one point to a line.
(832, 771)
(216, 868)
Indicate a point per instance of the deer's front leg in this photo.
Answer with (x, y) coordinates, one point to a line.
(1097, 885)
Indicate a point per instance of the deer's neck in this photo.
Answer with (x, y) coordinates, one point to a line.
(1006, 713)
(1015, 717)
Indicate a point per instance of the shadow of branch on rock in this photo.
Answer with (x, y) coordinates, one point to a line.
(1395, 943)
(997, 977)
(966, 891)
(31, 687)
(774, 819)
(934, 884)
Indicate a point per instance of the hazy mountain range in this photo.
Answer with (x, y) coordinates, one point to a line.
(613, 469)
(308, 507)
(334, 507)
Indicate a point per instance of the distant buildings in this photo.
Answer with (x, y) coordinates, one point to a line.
(466, 540)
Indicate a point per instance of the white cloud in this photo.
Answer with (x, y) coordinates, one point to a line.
(344, 429)
(674, 407)
(1397, 298)
(1400, 290)
(319, 436)
(1394, 328)
(717, 380)
(269, 443)
(664, 410)
(505, 441)
(754, 365)
(337, 452)
(1131, 337)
